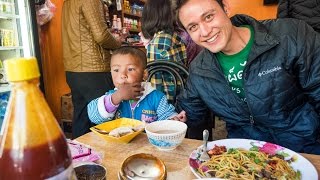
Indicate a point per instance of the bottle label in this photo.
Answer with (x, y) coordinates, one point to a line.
(68, 174)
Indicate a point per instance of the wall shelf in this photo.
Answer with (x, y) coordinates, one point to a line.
(8, 16)
(127, 13)
(132, 15)
(4, 48)
(135, 30)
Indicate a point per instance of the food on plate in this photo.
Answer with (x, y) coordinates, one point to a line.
(121, 131)
(138, 127)
(217, 150)
(238, 163)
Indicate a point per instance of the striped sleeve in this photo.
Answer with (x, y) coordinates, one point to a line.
(165, 110)
(97, 112)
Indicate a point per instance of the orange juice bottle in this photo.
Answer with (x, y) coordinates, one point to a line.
(32, 145)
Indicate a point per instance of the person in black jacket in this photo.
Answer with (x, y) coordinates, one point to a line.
(307, 10)
(261, 77)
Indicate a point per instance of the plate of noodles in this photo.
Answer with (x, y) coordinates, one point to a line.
(250, 159)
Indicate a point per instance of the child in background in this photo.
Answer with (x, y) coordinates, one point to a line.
(132, 98)
(162, 42)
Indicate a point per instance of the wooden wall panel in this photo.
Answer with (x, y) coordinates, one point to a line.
(254, 8)
(53, 72)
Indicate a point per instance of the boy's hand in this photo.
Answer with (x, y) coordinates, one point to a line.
(180, 117)
(127, 91)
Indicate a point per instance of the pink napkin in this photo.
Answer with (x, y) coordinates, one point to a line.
(82, 153)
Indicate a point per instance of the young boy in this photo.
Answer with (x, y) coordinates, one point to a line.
(131, 98)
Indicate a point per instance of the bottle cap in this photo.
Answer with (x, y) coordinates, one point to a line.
(20, 69)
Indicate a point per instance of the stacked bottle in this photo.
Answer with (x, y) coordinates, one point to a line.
(33, 145)
(6, 6)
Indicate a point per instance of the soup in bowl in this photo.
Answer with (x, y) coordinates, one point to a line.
(166, 134)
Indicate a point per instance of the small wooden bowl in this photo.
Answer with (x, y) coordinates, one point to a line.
(142, 165)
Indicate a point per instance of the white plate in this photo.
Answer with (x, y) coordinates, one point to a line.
(308, 171)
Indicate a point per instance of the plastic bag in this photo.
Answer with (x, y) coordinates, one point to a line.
(45, 12)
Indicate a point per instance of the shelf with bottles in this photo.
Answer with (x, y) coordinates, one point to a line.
(7, 7)
(132, 15)
(135, 30)
(132, 8)
(8, 16)
(133, 38)
(8, 48)
(8, 26)
(7, 39)
(132, 25)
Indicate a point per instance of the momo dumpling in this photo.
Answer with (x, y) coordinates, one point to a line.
(120, 131)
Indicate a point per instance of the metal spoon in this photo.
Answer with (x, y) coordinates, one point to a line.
(101, 131)
(204, 155)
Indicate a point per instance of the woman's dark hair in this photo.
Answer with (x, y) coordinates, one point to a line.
(180, 3)
(135, 52)
(157, 16)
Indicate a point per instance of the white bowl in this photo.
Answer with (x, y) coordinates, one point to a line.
(166, 134)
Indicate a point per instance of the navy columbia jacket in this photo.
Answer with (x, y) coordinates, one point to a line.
(281, 85)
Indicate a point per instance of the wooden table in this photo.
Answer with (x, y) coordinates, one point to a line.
(176, 160)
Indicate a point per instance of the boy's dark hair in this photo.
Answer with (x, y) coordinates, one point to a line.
(180, 3)
(157, 16)
(135, 52)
